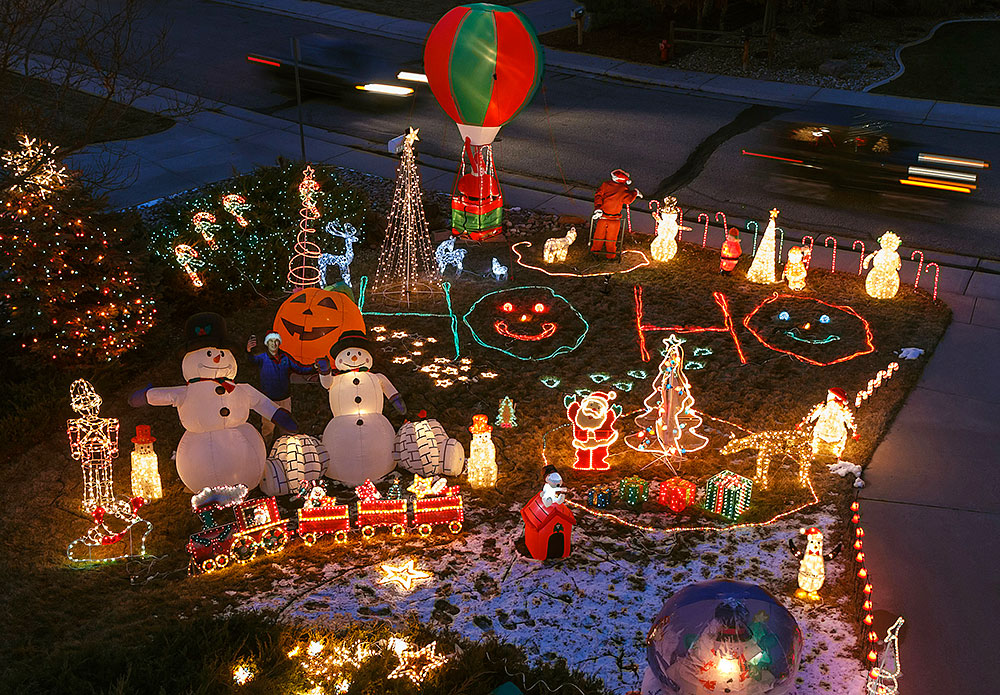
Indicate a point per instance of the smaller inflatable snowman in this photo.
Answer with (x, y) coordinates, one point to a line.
(218, 447)
(359, 438)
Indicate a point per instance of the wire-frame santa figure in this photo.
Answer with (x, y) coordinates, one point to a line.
(406, 270)
(93, 441)
(670, 424)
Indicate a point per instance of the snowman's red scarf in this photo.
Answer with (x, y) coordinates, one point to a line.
(348, 371)
(225, 383)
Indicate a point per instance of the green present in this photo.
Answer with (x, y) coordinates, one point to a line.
(728, 494)
(633, 490)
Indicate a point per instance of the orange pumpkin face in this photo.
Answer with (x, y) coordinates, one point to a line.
(311, 321)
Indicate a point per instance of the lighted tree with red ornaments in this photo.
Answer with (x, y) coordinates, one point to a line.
(669, 425)
(72, 289)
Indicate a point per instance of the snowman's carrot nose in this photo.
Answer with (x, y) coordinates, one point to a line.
(217, 358)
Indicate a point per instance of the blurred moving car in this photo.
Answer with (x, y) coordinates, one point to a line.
(865, 155)
(330, 64)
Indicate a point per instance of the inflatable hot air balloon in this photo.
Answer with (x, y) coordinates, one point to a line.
(483, 64)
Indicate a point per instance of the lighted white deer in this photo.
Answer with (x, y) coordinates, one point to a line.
(556, 247)
(347, 232)
(446, 254)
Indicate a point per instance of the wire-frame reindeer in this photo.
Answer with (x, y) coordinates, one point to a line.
(882, 681)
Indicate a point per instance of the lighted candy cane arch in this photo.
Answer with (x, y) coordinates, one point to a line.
(204, 224)
(861, 260)
(303, 266)
(188, 259)
(937, 274)
(808, 258)
(704, 239)
(725, 226)
(920, 267)
(833, 265)
(236, 205)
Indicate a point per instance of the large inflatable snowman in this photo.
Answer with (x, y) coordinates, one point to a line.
(359, 438)
(219, 446)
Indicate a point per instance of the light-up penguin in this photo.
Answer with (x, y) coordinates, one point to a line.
(219, 447)
(359, 438)
(812, 568)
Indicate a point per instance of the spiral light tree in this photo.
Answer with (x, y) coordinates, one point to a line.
(303, 266)
(406, 268)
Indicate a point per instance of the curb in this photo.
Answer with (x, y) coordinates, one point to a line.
(899, 50)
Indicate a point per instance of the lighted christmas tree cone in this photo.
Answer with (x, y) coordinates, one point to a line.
(882, 281)
(145, 470)
(407, 271)
(762, 268)
(481, 468)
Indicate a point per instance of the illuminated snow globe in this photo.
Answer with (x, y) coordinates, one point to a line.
(722, 636)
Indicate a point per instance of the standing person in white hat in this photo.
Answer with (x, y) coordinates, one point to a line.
(275, 366)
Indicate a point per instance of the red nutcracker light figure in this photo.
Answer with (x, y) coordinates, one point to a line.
(609, 200)
(594, 432)
(731, 252)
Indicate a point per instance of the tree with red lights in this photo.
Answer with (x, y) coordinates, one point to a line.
(71, 290)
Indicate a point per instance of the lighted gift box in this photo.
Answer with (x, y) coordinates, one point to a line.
(633, 490)
(676, 493)
(728, 494)
(600, 496)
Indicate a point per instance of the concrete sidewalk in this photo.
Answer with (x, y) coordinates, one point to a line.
(549, 15)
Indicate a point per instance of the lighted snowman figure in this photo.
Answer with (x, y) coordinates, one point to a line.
(664, 246)
(883, 280)
(482, 468)
(359, 438)
(834, 420)
(812, 566)
(219, 447)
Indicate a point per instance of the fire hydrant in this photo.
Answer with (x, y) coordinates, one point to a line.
(664, 51)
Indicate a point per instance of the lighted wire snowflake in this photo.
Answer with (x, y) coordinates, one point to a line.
(33, 168)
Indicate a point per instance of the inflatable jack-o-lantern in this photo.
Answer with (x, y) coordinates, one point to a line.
(311, 321)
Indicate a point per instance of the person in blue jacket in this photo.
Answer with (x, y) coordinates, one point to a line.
(275, 367)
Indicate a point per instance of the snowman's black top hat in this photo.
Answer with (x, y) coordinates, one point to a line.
(205, 330)
(349, 339)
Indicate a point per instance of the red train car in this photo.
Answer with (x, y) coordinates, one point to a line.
(318, 521)
(375, 513)
(444, 509)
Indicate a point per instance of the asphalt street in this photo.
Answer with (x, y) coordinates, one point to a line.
(579, 128)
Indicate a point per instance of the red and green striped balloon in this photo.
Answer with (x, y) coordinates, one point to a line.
(483, 64)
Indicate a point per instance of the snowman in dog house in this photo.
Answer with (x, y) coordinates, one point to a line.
(359, 438)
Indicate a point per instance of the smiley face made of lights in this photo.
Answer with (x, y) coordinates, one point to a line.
(810, 330)
(528, 323)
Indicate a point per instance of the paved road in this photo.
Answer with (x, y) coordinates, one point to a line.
(579, 128)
